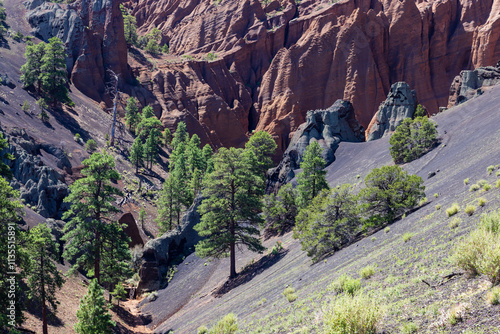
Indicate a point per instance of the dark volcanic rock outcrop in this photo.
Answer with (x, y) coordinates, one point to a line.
(131, 229)
(41, 186)
(328, 127)
(401, 103)
(92, 31)
(161, 252)
(470, 83)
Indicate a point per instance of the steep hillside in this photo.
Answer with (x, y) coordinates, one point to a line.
(197, 294)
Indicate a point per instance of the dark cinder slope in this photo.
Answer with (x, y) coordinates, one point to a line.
(470, 143)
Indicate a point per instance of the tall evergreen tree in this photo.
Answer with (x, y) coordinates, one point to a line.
(261, 147)
(208, 160)
(147, 123)
(93, 316)
(179, 142)
(10, 239)
(180, 175)
(3, 16)
(137, 154)
(194, 154)
(115, 257)
(132, 116)
(231, 208)
(43, 277)
(151, 147)
(167, 137)
(53, 71)
(280, 211)
(31, 71)
(129, 27)
(312, 178)
(4, 169)
(168, 204)
(91, 208)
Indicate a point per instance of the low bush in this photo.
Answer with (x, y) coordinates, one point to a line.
(346, 284)
(490, 169)
(407, 236)
(487, 187)
(290, 294)
(203, 330)
(454, 223)
(498, 184)
(227, 325)
(474, 187)
(493, 296)
(470, 209)
(481, 201)
(466, 181)
(91, 145)
(409, 328)
(359, 314)
(438, 207)
(479, 253)
(436, 195)
(367, 272)
(387, 229)
(453, 210)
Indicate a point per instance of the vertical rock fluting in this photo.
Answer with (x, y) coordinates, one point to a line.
(92, 31)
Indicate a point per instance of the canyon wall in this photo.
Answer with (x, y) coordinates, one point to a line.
(293, 58)
(272, 61)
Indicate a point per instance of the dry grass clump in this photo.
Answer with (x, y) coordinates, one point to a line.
(358, 314)
(346, 284)
(367, 272)
(453, 210)
(290, 294)
(481, 201)
(470, 209)
(493, 296)
(454, 223)
(479, 252)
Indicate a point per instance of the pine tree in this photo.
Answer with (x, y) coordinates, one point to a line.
(147, 123)
(3, 16)
(183, 193)
(31, 71)
(261, 147)
(142, 217)
(93, 316)
(43, 277)
(194, 155)
(137, 154)
(4, 169)
(390, 191)
(115, 257)
(10, 211)
(91, 199)
(231, 208)
(129, 27)
(151, 147)
(280, 211)
(53, 72)
(179, 142)
(207, 153)
(329, 223)
(132, 116)
(167, 137)
(168, 204)
(312, 178)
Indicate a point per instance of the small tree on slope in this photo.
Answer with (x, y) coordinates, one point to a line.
(93, 316)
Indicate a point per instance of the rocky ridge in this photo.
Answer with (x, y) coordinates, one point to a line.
(328, 127)
(470, 84)
(401, 103)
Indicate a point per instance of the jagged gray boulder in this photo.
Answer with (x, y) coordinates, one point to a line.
(470, 84)
(160, 252)
(328, 127)
(401, 103)
(40, 186)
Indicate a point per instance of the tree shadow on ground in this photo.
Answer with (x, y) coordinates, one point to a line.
(69, 123)
(249, 272)
(35, 309)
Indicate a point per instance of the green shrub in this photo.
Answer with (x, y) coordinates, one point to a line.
(436, 195)
(91, 145)
(490, 169)
(498, 173)
(412, 139)
(438, 207)
(487, 187)
(482, 182)
(481, 201)
(358, 314)
(479, 252)
(407, 236)
(290, 294)
(409, 328)
(422, 201)
(26, 106)
(454, 223)
(498, 184)
(346, 284)
(454, 209)
(387, 229)
(470, 209)
(367, 272)
(493, 296)
(203, 330)
(227, 325)
(466, 181)
(474, 187)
